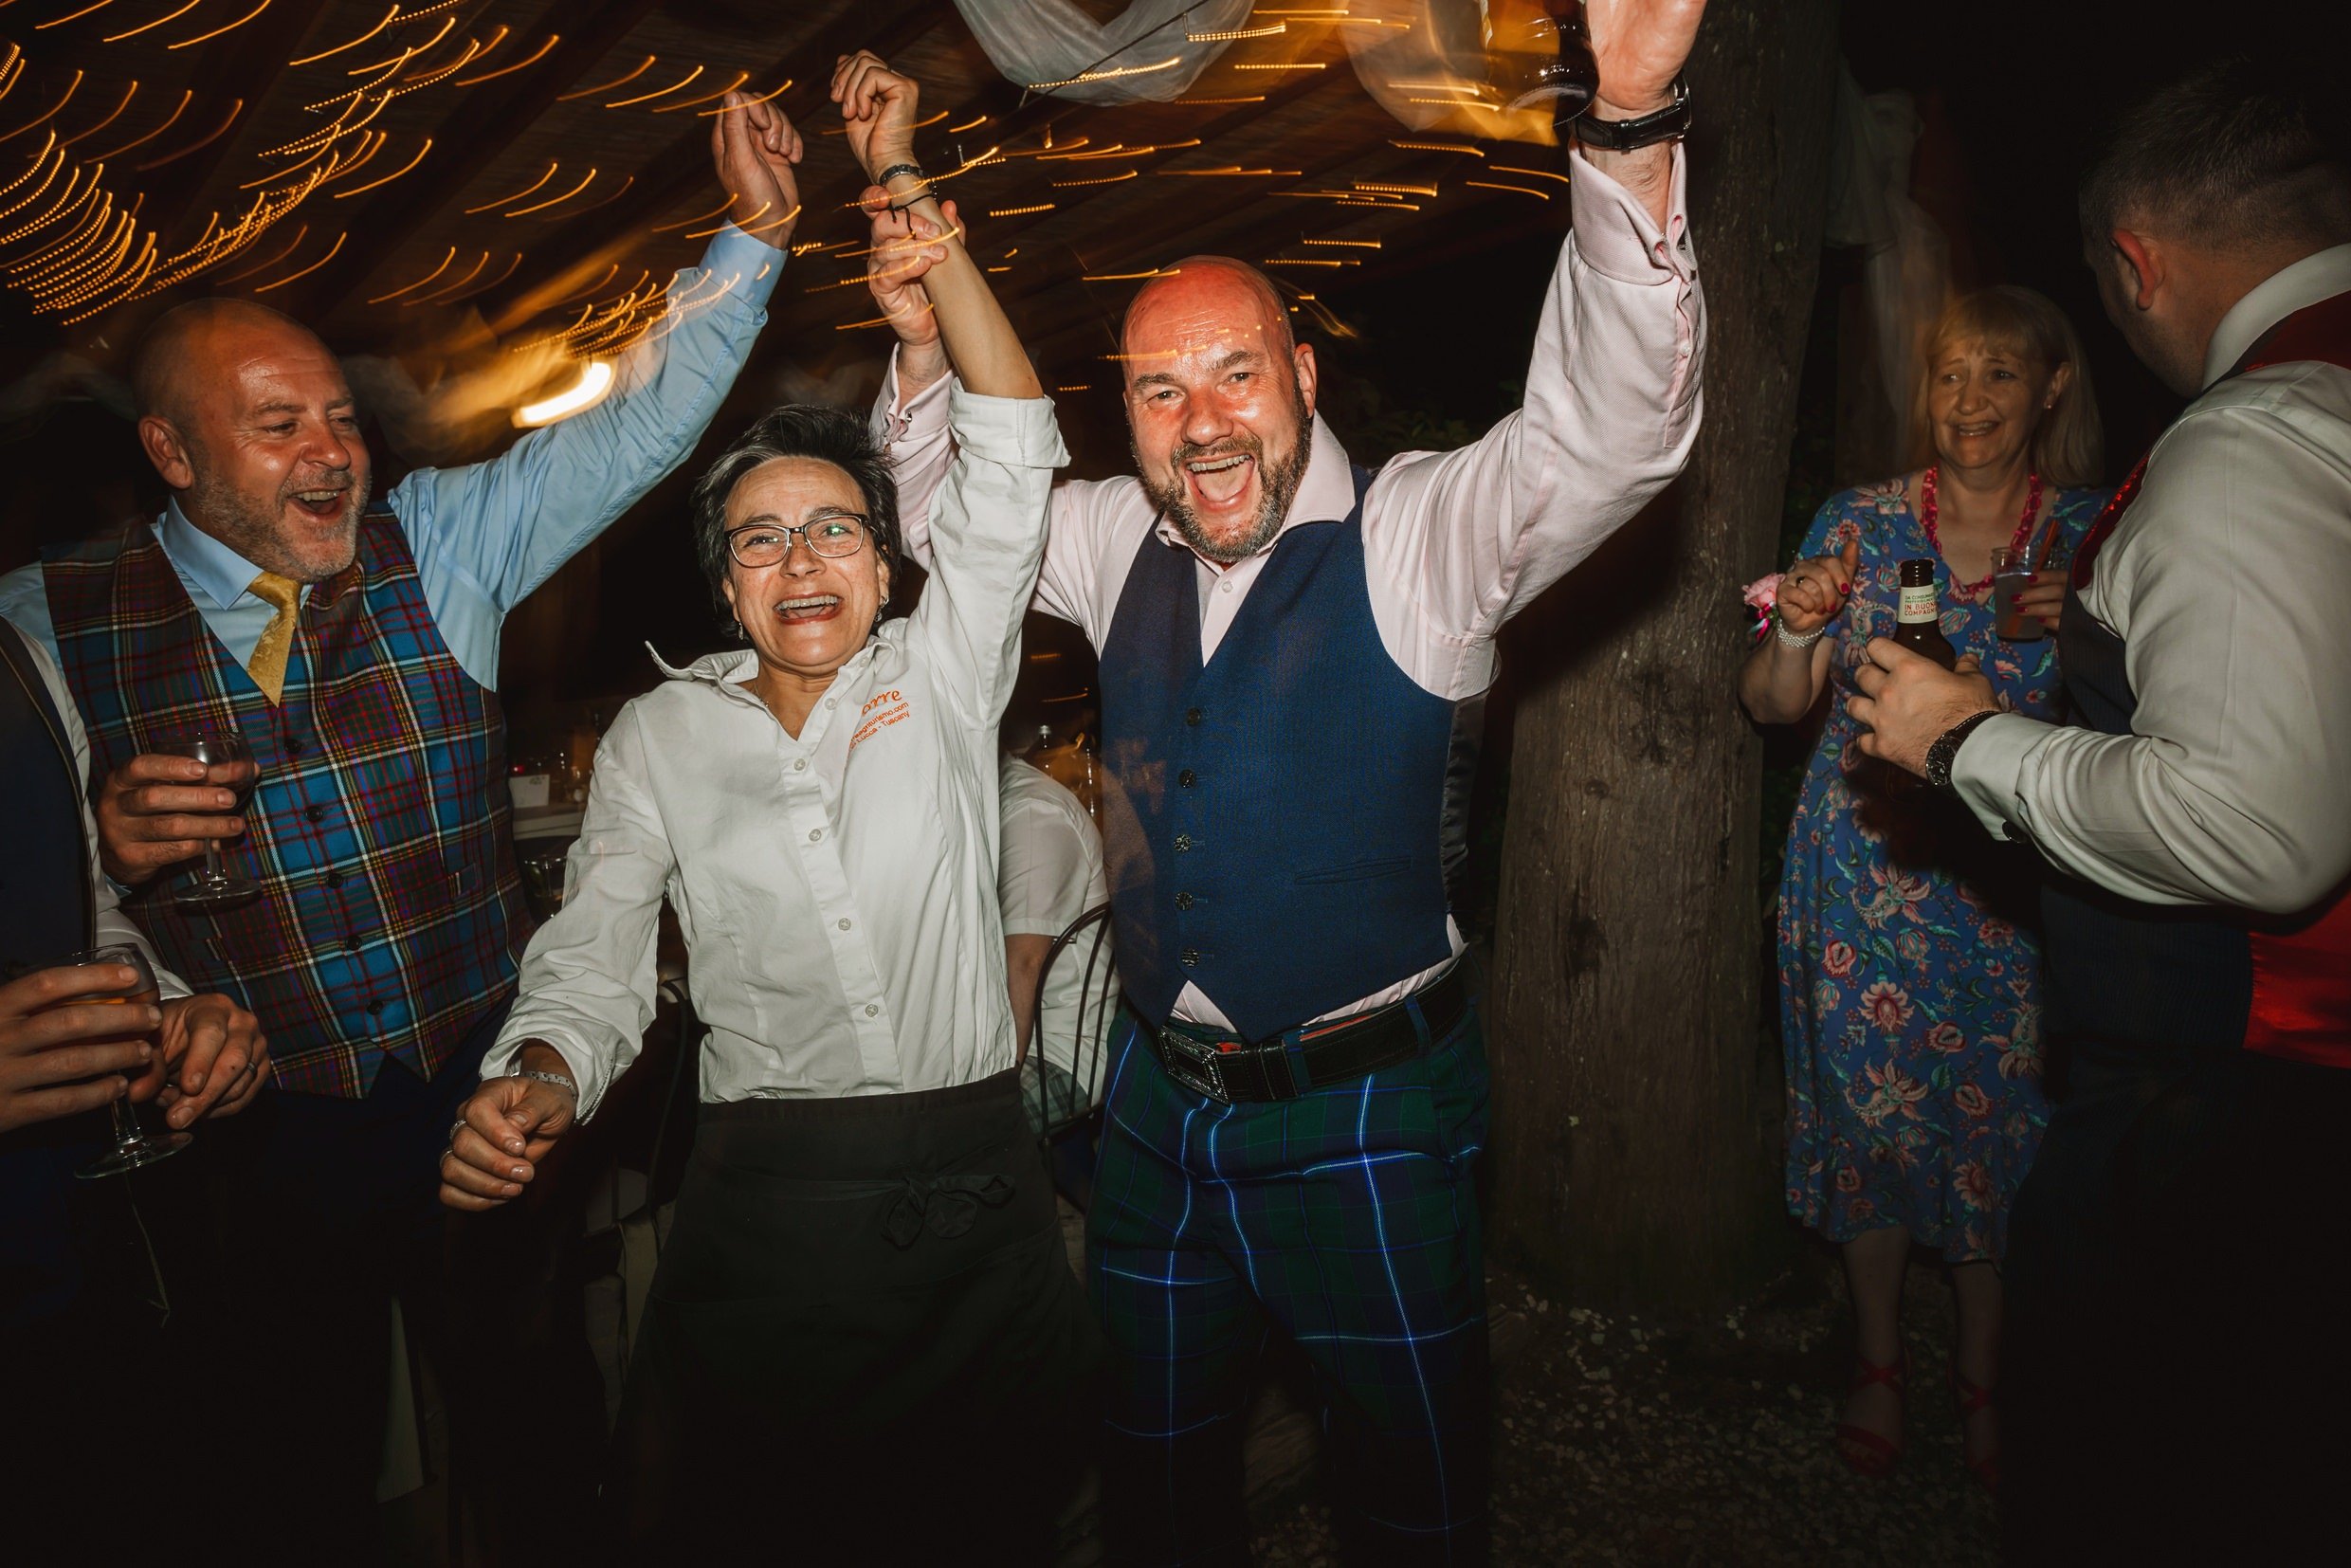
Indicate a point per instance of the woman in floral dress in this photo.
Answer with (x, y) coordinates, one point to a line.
(1909, 981)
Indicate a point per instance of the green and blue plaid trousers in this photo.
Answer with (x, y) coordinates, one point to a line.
(1347, 1218)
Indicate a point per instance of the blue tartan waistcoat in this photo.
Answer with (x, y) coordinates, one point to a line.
(390, 916)
(1277, 819)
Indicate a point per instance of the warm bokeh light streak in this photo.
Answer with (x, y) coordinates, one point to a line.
(357, 190)
(203, 37)
(527, 189)
(331, 251)
(325, 54)
(532, 59)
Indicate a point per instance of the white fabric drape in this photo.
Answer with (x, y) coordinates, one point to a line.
(1905, 268)
(1040, 40)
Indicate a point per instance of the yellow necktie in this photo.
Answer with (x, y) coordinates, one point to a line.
(267, 666)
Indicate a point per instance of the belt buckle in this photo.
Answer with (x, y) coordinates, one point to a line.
(1194, 1063)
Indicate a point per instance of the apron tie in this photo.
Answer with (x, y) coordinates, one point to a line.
(948, 1206)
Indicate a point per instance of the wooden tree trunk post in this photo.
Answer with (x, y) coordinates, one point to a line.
(1632, 1106)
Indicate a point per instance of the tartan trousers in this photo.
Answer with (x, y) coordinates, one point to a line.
(1347, 1218)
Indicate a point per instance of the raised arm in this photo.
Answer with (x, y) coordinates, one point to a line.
(915, 229)
(490, 533)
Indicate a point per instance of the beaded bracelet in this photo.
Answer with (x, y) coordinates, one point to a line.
(1799, 641)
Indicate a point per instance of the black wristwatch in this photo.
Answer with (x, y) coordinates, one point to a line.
(1946, 750)
(1670, 123)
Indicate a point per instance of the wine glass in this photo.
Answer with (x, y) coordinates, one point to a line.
(133, 1147)
(211, 885)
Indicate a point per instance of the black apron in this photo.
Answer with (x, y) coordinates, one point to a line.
(864, 1342)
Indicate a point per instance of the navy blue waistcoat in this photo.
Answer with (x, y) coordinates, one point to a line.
(45, 914)
(1275, 822)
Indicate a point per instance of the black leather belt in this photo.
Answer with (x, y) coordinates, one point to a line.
(1228, 1070)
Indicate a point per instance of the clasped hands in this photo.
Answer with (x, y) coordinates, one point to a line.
(61, 1056)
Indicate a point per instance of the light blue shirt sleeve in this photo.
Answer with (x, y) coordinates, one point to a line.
(486, 535)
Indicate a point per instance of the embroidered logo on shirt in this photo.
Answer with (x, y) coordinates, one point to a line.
(880, 711)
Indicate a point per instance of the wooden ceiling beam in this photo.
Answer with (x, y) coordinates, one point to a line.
(482, 123)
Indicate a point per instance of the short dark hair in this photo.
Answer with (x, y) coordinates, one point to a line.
(2226, 157)
(796, 430)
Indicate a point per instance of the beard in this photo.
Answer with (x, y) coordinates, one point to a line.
(1277, 487)
(254, 530)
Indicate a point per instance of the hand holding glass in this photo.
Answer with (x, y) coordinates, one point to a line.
(132, 1146)
(211, 885)
(2011, 569)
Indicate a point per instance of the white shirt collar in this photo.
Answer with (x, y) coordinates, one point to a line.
(735, 666)
(2321, 275)
(1326, 492)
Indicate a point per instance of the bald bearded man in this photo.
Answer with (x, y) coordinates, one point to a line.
(355, 650)
(1292, 653)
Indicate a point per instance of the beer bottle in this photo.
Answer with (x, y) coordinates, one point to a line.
(1917, 616)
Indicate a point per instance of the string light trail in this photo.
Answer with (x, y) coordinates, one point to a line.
(305, 272)
(359, 190)
(323, 54)
(533, 58)
(527, 189)
(684, 104)
(203, 37)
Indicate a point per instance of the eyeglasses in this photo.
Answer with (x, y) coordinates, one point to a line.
(833, 536)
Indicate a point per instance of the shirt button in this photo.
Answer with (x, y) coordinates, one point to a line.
(816, 833)
(315, 813)
(1183, 842)
(845, 925)
(1192, 716)
(374, 1006)
(799, 764)
(1183, 900)
(829, 702)
(294, 745)
(1186, 779)
(334, 879)
(1224, 587)
(351, 945)
(1188, 957)
(872, 1007)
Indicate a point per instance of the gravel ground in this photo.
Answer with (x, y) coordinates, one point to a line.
(1638, 1441)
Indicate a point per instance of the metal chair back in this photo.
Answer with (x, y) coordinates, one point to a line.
(1064, 1105)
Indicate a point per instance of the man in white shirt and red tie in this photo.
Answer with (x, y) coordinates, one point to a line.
(2178, 1363)
(1297, 1090)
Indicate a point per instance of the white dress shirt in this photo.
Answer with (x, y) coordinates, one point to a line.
(113, 924)
(2228, 580)
(1050, 872)
(1455, 543)
(837, 891)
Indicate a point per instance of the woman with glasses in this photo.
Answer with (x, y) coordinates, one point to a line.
(864, 1333)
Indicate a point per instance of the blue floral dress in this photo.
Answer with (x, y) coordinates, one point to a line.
(1909, 977)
